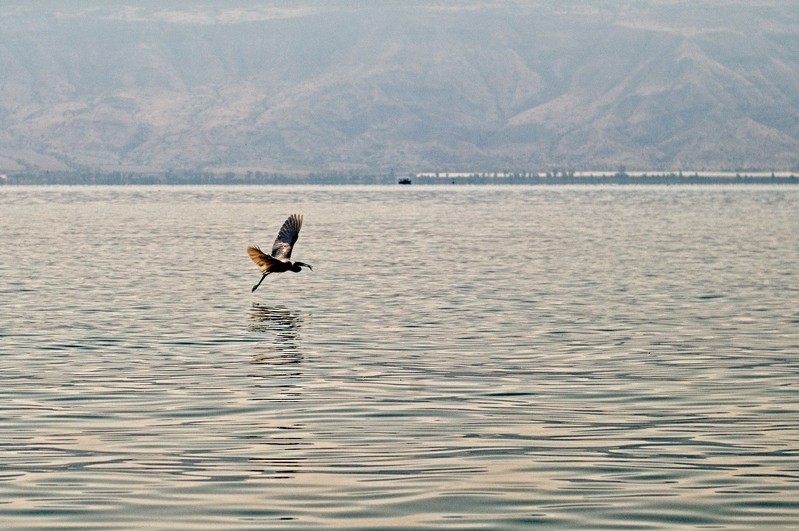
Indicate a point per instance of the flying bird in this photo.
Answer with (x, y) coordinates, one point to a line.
(279, 261)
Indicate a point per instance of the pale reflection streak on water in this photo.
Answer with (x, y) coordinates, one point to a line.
(493, 357)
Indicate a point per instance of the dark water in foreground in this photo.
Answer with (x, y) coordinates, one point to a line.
(598, 357)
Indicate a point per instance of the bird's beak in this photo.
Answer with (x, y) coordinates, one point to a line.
(309, 267)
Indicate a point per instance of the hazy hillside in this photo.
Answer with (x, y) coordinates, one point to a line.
(421, 85)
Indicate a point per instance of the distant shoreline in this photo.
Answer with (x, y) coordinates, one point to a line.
(605, 177)
(425, 178)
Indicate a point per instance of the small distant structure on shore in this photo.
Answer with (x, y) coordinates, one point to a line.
(404, 180)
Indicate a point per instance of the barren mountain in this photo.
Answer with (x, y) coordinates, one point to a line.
(426, 85)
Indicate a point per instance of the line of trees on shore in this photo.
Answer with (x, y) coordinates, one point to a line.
(618, 177)
(189, 177)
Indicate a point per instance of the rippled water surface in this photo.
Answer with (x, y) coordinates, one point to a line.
(465, 357)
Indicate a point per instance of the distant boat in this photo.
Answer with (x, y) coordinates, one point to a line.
(404, 181)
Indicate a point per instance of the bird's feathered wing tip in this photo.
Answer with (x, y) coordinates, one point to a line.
(287, 237)
(261, 259)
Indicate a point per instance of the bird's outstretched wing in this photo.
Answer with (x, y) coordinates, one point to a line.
(287, 237)
(264, 262)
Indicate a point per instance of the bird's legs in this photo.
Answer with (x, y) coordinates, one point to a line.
(255, 287)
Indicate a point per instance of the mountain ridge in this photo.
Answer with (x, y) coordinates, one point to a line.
(422, 86)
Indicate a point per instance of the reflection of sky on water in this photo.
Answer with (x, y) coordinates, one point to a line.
(280, 328)
(629, 360)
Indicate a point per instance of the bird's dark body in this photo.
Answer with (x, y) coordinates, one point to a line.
(279, 261)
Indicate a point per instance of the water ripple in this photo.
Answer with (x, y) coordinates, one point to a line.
(629, 361)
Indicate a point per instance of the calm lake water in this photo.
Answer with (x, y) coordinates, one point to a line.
(460, 357)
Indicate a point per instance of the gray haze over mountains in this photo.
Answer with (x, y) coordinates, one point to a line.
(408, 86)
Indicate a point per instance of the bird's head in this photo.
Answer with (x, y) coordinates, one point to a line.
(297, 266)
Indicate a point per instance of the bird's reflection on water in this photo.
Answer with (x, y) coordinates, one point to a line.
(279, 352)
(280, 327)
